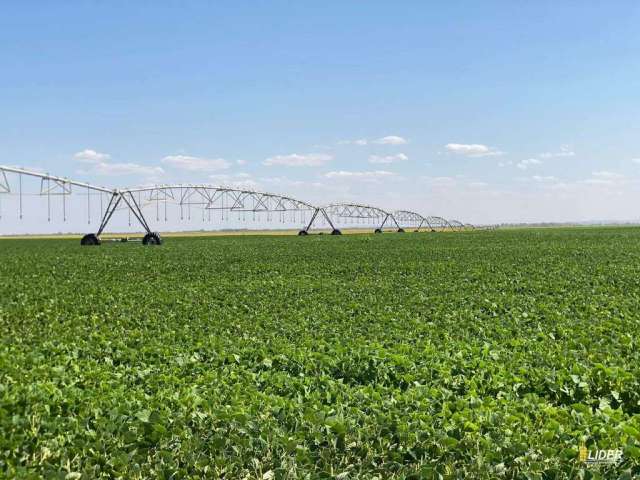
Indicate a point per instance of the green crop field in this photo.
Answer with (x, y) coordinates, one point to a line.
(433, 355)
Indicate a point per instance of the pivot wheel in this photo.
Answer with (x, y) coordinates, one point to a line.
(153, 238)
(302, 233)
(377, 230)
(90, 239)
(335, 231)
(401, 230)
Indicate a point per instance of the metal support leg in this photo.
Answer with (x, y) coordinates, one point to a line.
(136, 210)
(384, 221)
(4, 183)
(326, 216)
(313, 217)
(114, 201)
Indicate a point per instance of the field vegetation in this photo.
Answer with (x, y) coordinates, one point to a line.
(424, 355)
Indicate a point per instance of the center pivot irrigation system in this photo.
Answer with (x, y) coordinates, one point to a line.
(180, 200)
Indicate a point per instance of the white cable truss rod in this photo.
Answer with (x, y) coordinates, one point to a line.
(4, 183)
(205, 197)
(230, 199)
(45, 176)
(438, 222)
(355, 210)
(456, 225)
(160, 194)
(269, 201)
(361, 211)
(409, 217)
(54, 185)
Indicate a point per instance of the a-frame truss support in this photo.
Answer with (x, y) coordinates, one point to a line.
(52, 185)
(320, 211)
(126, 197)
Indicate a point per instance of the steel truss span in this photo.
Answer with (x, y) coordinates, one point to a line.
(210, 198)
(355, 211)
(438, 223)
(457, 225)
(143, 203)
(414, 220)
(418, 221)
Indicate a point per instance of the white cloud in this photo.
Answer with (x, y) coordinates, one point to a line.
(524, 164)
(226, 176)
(91, 156)
(563, 186)
(565, 151)
(245, 184)
(635, 160)
(196, 164)
(99, 164)
(440, 182)
(296, 160)
(597, 181)
(241, 162)
(236, 180)
(374, 174)
(282, 181)
(391, 140)
(604, 177)
(505, 164)
(361, 142)
(478, 184)
(115, 169)
(607, 175)
(388, 140)
(471, 150)
(399, 157)
(543, 179)
(600, 178)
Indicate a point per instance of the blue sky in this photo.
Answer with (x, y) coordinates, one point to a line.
(483, 111)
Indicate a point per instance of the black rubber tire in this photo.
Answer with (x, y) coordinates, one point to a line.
(377, 230)
(303, 233)
(153, 238)
(90, 239)
(401, 230)
(335, 231)
(416, 231)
